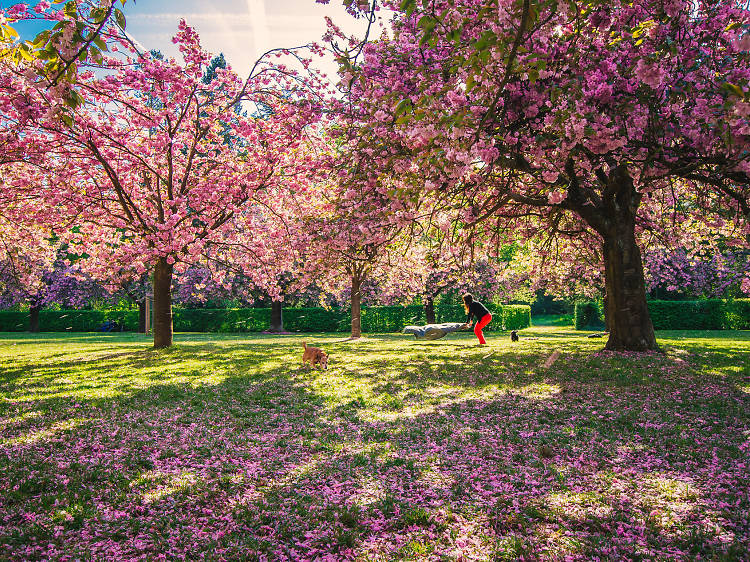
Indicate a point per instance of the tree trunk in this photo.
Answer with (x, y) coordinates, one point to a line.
(630, 327)
(356, 307)
(606, 312)
(142, 316)
(612, 213)
(627, 317)
(429, 310)
(277, 318)
(34, 318)
(162, 304)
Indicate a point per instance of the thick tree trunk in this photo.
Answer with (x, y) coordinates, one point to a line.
(629, 323)
(34, 318)
(142, 316)
(612, 213)
(162, 304)
(356, 307)
(429, 310)
(277, 318)
(627, 317)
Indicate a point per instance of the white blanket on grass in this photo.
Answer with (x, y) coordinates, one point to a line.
(433, 331)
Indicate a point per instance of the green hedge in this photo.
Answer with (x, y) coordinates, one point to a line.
(516, 316)
(737, 314)
(388, 318)
(68, 320)
(224, 320)
(588, 315)
(374, 319)
(710, 314)
(13, 321)
(315, 320)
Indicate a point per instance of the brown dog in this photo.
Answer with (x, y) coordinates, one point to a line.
(315, 356)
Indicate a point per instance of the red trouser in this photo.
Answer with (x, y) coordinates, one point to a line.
(486, 319)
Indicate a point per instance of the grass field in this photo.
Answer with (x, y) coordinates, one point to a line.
(223, 447)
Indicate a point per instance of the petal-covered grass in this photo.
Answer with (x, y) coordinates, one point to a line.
(223, 447)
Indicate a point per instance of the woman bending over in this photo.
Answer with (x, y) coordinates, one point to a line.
(478, 310)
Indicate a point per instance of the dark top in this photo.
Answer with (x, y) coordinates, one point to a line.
(477, 309)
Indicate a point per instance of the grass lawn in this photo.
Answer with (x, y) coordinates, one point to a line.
(224, 448)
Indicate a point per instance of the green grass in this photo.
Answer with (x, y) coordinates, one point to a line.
(223, 446)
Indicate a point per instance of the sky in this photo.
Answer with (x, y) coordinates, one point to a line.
(241, 29)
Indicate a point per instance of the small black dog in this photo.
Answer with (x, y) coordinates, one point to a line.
(513, 335)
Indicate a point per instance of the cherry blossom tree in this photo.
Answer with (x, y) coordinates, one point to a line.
(353, 237)
(701, 274)
(73, 33)
(582, 120)
(144, 166)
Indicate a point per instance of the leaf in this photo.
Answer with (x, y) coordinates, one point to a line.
(735, 89)
(99, 42)
(427, 23)
(402, 107)
(96, 55)
(485, 40)
(47, 54)
(25, 52)
(454, 35)
(71, 10)
(74, 99)
(406, 4)
(120, 18)
(98, 14)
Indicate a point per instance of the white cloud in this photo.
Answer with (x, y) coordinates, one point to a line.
(241, 29)
(261, 35)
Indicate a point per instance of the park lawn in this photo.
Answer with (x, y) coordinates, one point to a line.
(223, 447)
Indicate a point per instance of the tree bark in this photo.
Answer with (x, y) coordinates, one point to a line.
(627, 316)
(630, 327)
(429, 310)
(356, 306)
(162, 304)
(34, 318)
(606, 312)
(277, 318)
(612, 213)
(142, 316)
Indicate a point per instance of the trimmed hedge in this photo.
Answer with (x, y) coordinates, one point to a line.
(14, 321)
(314, 320)
(516, 316)
(225, 320)
(713, 314)
(588, 315)
(68, 320)
(374, 319)
(387, 318)
(710, 314)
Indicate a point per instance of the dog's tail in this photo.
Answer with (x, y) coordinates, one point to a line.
(304, 344)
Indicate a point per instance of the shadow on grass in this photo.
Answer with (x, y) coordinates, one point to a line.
(392, 453)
